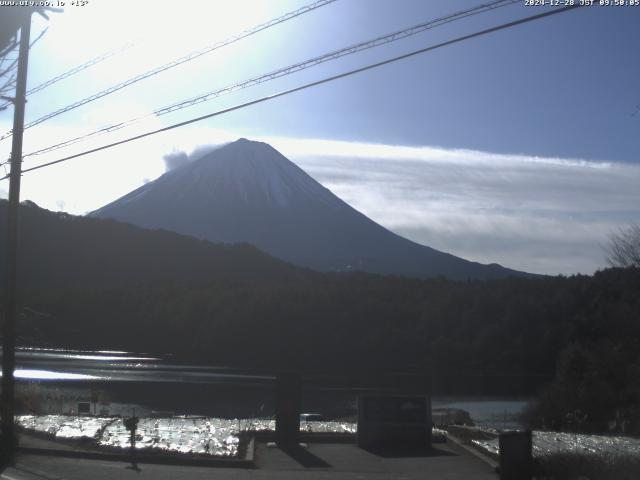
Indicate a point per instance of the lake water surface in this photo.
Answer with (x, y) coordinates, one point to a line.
(498, 413)
(62, 365)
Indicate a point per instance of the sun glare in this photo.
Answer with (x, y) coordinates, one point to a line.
(165, 28)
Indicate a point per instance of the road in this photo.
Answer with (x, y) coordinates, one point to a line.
(319, 461)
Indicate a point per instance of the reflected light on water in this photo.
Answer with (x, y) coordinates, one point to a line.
(107, 358)
(50, 375)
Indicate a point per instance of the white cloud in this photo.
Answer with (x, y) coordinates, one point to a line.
(545, 215)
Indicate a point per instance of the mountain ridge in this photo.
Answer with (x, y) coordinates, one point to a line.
(246, 191)
(59, 250)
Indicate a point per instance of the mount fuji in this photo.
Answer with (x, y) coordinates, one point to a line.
(247, 191)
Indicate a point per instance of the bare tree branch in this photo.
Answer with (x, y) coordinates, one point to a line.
(623, 249)
(7, 70)
(40, 35)
(8, 49)
(11, 66)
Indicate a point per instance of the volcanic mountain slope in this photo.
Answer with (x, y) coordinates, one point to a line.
(247, 191)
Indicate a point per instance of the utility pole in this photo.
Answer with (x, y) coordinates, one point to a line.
(9, 439)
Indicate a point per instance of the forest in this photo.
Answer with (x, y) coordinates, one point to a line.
(96, 284)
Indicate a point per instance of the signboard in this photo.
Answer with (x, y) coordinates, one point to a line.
(396, 421)
(395, 409)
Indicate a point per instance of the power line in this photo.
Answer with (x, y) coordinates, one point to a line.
(186, 58)
(312, 84)
(297, 67)
(79, 68)
(8, 71)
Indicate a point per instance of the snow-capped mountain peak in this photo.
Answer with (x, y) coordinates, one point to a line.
(247, 191)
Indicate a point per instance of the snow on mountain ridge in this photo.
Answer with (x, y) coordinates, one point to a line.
(250, 169)
(247, 191)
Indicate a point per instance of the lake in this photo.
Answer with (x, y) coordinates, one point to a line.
(210, 389)
(498, 413)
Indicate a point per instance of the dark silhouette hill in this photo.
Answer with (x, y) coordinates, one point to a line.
(247, 191)
(61, 250)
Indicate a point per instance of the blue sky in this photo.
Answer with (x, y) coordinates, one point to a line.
(520, 147)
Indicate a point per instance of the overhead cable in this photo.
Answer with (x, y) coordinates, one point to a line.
(288, 70)
(179, 61)
(312, 84)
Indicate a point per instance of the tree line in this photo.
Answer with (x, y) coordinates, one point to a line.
(98, 284)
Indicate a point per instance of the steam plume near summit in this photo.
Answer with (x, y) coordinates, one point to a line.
(179, 158)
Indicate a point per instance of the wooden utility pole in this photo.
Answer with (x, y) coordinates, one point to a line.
(9, 439)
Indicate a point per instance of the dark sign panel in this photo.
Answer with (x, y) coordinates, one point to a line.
(395, 409)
